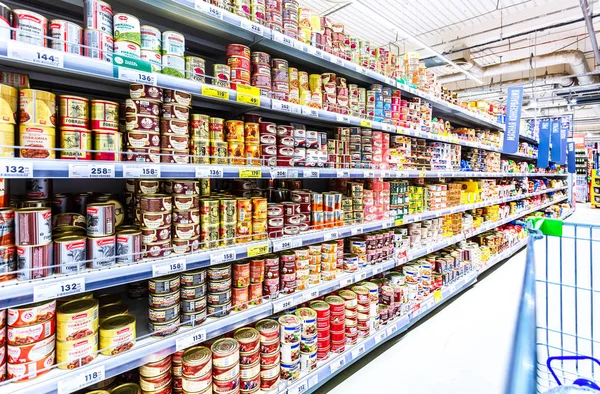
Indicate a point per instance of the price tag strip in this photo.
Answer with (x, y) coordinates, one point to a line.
(223, 257)
(129, 74)
(257, 250)
(168, 267)
(91, 170)
(58, 289)
(282, 305)
(278, 246)
(86, 378)
(20, 169)
(311, 173)
(34, 54)
(191, 339)
(141, 171)
(209, 172)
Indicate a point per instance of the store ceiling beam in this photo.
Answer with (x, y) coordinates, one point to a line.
(587, 17)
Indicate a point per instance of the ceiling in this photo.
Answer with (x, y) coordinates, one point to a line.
(495, 32)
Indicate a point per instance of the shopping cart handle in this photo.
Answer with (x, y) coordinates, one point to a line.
(580, 381)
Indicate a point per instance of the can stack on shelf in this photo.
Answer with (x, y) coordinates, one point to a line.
(185, 220)
(9, 98)
(280, 86)
(196, 369)
(302, 268)
(226, 365)
(164, 300)
(155, 216)
(75, 135)
(219, 290)
(291, 333)
(308, 339)
(174, 127)
(249, 340)
(270, 356)
(77, 332)
(173, 51)
(127, 35)
(238, 60)
(351, 311)
(336, 342)
(193, 294)
(151, 46)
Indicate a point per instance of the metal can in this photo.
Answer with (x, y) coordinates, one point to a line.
(117, 334)
(32, 226)
(104, 115)
(66, 36)
(30, 27)
(75, 144)
(73, 111)
(108, 144)
(31, 314)
(98, 15)
(163, 285)
(20, 354)
(195, 68)
(8, 263)
(70, 253)
(76, 353)
(100, 219)
(101, 251)
(151, 38)
(77, 319)
(166, 328)
(126, 27)
(129, 246)
(127, 49)
(98, 45)
(34, 262)
(173, 43)
(173, 65)
(37, 107)
(163, 314)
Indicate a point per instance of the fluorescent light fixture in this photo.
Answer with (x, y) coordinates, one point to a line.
(384, 21)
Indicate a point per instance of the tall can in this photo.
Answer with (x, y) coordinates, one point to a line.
(75, 144)
(34, 262)
(30, 27)
(101, 251)
(32, 226)
(66, 36)
(38, 188)
(98, 15)
(100, 219)
(73, 111)
(129, 246)
(151, 38)
(70, 252)
(98, 44)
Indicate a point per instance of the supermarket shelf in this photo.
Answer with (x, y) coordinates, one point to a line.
(152, 349)
(526, 138)
(56, 168)
(13, 293)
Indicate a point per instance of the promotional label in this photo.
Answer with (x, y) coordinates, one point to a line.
(513, 119)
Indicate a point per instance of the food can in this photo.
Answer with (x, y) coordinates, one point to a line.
(98, 15)
(30, 27)
(166, 328)
(126, 27)
(8, 105)
(33, 226)
(76, 353)
(22, 335)
(164, 314)
(127, 49)
(197, 362)
(98, 44)
(111, 310)
(155, 219)
(27, 371)
(101, 251)
(66, 36)
(186, 202)
(100, 219)
(173, 43)
(70, 252)
(156, 203)
(193, 292)
(37, 107)
(156, 368)
(248, 338)
(8, 262)
(290, 329)
(225, 352)
(164, 284)
(129, 246)
(104, 115)
(107, 143)
(160, 384)
(151, 38)
(195, 68)
(77, 319)
(117, 334)
(219, 310)
(199, 384)
(194, 305)
(37, 142)
(163, 300)
(173, 65)
(31, 314)
(7, 227)
(75, 144)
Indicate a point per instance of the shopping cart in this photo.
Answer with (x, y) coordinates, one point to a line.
(557, 339)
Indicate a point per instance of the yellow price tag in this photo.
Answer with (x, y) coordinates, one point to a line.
(250, 173)
(437, 296)
(422, 174)
(215, 92)
(256, 250)
(249, 90)
(366, 123)
(247, 99)
(399, 222)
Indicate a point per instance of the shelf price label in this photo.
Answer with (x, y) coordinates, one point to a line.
(329, 235)
(283, 305)
(286, 244)
(366, 123)
(380, 337)
(247, 99)
(311, 294)
(141, 171)
(250, 173)
(378, 269)
(215, 92)
(337, 364)
(81, 380)
(34, 54)
(343, 173)
(342, 118)
(399, 222)
(279, 173)
(58, 289)
(257, 250)
(91, 170)
(356, 230)
(361, 276)
(310, 111)
(311, 173)
(168, 267)
(337, 60)
(222, 257)
(437, 296)
(251, 26)
(209, 172)
(16, 170)
(391, 330)
(194, 338)
(369, 174)
(345, 282)
(298, 388)
(208, 9)
(358, 351)
(129, 74)
(281, 38)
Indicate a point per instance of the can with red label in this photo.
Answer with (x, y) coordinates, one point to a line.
(70, 253)
(32, 226)
(100, 219)
(98, 44)
(101, 251)
(66, 36)
(34, 261)
(129, 246)
(30, 27)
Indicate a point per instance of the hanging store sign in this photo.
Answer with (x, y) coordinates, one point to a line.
(571, 156)
(543, 159)
(513, 119)
(555, 140)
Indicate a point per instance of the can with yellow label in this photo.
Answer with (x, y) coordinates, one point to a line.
(37, 107)
(104, 115)
(73, 111)
(117, 334)
(74, 354)
(7, 139)
(108, 143)
(37, 142)
(76, 319)
(77, 143)
(8, 104)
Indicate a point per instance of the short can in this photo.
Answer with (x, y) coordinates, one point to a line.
(117, 334)
(19, 354)
(70, 252)
(166, 328)
(154, 235)
(193, 292)
(151, 38)
(158, 315)
(127, 49)
(194, 305)
(27, 371)
(177, 96)
(186, 216)
(101, 251)
(22, 335)
(126, 27)
(194, 318)
(141, 91)
(74, 354)
(163, 300)
(155, 219)
(193, 278)
(173, 43)
(77, 319)
(142, 123)
(156, 203)
(75, 144)
(219, 310)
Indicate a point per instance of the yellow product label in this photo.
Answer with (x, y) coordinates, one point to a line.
(215, 92)
(248, 90)
(37, 107)
(107, 142)
(257, 250)
(422, 174)
(77, 142)
(437, 296)
(250, 173)
(399, 222)
(366, 123)
(8, 105)
(73, 111)
(247, 99)
(69, 353)
(35, 142)
(7, 138)
(104, 115)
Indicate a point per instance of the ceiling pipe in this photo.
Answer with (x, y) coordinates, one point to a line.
(575, 59)
(587, 12)
(549, 79)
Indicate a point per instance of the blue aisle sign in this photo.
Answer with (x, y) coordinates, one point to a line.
(571, 159)
(543, 159)
(555, 140)
(565, 129)
(513, 120)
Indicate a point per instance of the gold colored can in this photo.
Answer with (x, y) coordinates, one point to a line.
(259, 229)
(200, 151)
(108, 142)
(126, 388)
(73, 111)
(252, 154)
(7, 138)
(8, 104)
(218, 152)
(76, 319)
(37, 142)
(76, 353)
(195, 68)
(236, 153)
(259, 208)
(215, 129)
(76, 142)
(105, 115)
(221, 74)
(227, 233)
(251, 133)
(209, 211)
(209, 236)
(199, 126)
(37, 108)
(234, 130)
(244, 209)
(117, 334)
(244, 231)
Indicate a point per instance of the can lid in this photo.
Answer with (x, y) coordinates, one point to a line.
(347, 294)
(127, 388)
(110, 310)
(334, 300)
(225, 347)
(319, 305)
(116, 322)
(306, 313)
(246, 335)
(77, 306)
(196, 355)
(289, 321)
(267, 326)
(360, 289)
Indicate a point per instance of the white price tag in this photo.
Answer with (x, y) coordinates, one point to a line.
(378, 269)
(356, 230)
(282, 38)
(358, 351)
(369, 174)
(281, 105)
(168, 267)
(311, 173)
(91, 170)
(329, 235)
(286, 244)
(343, 173)
(298, 388)
(58, 289)
(296, 108)
(282, 305)
(251, 26)
(311, 294)
(141, 171)
(16, 169)
(337, 60)
(209, 9)
(345, 282)
(209, 172)
(380, 337)
(391, 330)
(386, 224)
(35, 54)
(342, 118)
(222, 257)
(76, 382)
(279, 173)
(194, 338)
(337, 364)
(310, 111)
(386, 174)
(360, 276)
(429, 249)
(129, 74)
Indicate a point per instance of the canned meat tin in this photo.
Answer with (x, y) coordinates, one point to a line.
(166, 328)
(70, 353)
(75, 144)
(127, 28)
(30, 27)
(34, 262)
(70, 253)
(163, 300)
(127, 49)
(31, 314)
(32, 226)
(140, 91)
(7, 227)
(164, 285)
(37, 142)
(193, 292)
(19, 354)
(156, 368)
(73, 111)
(151, 38)
(156, 202)
(155, 219)
(98, 45)
(100, 219)
(76, 319)
(66, 36)
(30, 334)
(101, 251)
(164, 314)
(142, 107)
(37, 107)
(27, 371)
(173, 43)
(193, 278)
(117, 334)
(98, 15)
(129, 246)
(193, 306)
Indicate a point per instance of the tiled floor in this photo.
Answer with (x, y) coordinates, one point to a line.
(463, 348)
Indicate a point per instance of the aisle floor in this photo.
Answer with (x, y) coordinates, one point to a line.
(463, 348)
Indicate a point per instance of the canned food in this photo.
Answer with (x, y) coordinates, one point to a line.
(98, 44)
(193, 292)
(151, 38)
(154, 235)
(30, 27)
(219, 272)
(193, 306)
(98, 15)
(156, 368)
(156, 203)
(100, 219)
(30, 370)
(101, 251)
(193, 278)
(160, 384)
(173, 43)
(177, 96)
(129, 246)
(37, 142)
(75, 144)
(74, 354)
(142, 123)
(186, 216)
(117, 334)
(163, 300)
(127, 28)
(155, 219)
(111, 310)
(141, 91)
(70, 252)
(219, 310)
(77, 319)
(107, 144)
(34, 262)
(127, 49)
(166, 328)
(195, 68)
(163, 314)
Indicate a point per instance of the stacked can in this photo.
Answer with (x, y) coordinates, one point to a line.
(315, 83)
(185, 219)
(75, 136)
(357, 246)
(234, 135)
(127, 32)
(238, 60)
(280, 86)
(273, 15)
(151, 46)
(155, 217)
(142, 125)
(268, 144)
(227, 220)
(249, 340)
(219, 290)
(257, 277)
(252, 144)
(199, 138)
(387, 305)
(291, 333)
(177, 370)
(221, 75)
(37, 131)
(193, 297)
(351, 311)
(332, 205)
(76, 333)
(195, 68)
(294, 83)
(287, 282)
(196, 370)
(314, 265)
(157, 375)
(329, 86)
(23, 337)
(241, 285)
(259, 218)
(338, 323)
(226, 365)
(328, 260)
(309, 339)
(275, 220)
(8, 258)
(363, 310)
(173, 51)
(302, 268)
(174, 127)
(260, 64)
(271, 282)
(97, 36)
(33, 240)
(269, 353)
(164, 300)
(209, 221)
(217, 144)
(303, 199)
(289, 14)
(244, 211)
(373, 303)
(323, 327)
(8, 120)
